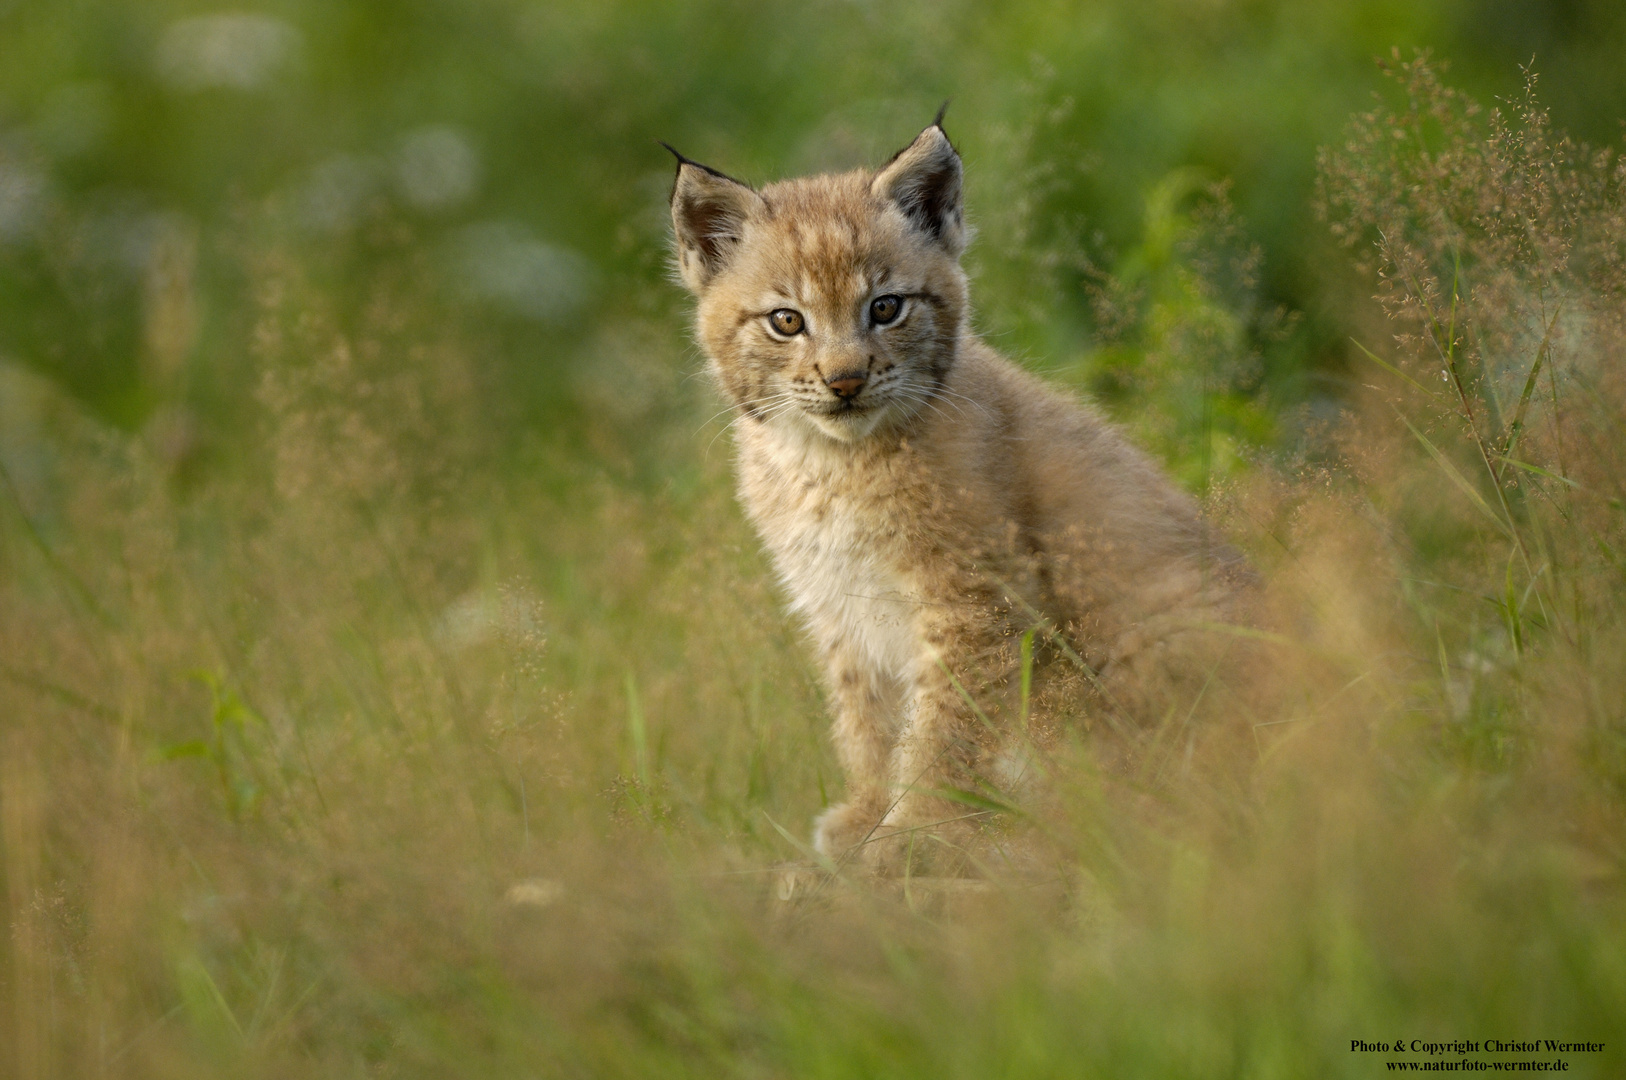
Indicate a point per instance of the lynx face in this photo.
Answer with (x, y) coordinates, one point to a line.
(833, 304)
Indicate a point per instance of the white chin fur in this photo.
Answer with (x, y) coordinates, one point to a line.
(847, 426)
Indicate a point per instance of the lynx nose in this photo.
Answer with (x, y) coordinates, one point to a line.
(847, 386)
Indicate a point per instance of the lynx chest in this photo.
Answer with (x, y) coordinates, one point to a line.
(844, 565)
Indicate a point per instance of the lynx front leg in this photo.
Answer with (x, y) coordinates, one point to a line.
(866, 707)
(941, 748)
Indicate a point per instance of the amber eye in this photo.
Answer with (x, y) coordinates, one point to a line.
(883, 309)
(786, 321)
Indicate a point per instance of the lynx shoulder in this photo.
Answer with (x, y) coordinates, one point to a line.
(976, 556)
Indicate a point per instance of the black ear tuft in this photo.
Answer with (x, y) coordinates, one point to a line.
(924, 180)
(709, 212)
(937, 121)
(682, 161)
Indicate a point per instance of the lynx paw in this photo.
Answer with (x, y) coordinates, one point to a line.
(843, 827)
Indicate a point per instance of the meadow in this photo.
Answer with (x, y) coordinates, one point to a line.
(390, 685)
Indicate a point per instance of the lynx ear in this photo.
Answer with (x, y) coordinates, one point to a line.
(709, 212)
(924, 181)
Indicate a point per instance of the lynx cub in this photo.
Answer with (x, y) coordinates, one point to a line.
(934, 511)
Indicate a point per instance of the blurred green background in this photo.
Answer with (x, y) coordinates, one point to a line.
(505, 151)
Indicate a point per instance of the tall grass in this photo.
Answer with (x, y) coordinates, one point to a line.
(354, 761)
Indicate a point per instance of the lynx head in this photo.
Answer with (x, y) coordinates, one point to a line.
(828, 304)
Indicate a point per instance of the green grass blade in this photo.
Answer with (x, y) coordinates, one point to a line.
(638, 731)
(1457, 478)
(1529, 390)
(1538, 470)
(1391, 369)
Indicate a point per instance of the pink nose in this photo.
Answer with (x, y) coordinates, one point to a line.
(846, 386)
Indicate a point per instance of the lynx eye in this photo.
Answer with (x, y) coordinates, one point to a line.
(883, 309)
(786, 321)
